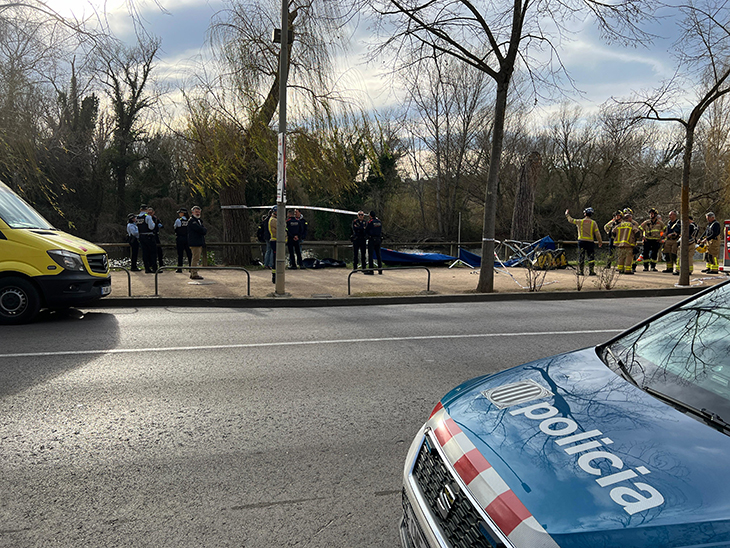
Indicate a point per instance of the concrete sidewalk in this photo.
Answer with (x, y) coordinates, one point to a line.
(457, 284)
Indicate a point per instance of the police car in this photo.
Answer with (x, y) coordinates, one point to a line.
(618, 446)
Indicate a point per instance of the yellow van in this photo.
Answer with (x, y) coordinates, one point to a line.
(42, 267)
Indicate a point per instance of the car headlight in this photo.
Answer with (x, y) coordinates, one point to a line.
(67, 259)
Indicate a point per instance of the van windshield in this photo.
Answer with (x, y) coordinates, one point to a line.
(18, 214)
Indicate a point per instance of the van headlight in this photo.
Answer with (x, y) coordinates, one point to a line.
(67, 259)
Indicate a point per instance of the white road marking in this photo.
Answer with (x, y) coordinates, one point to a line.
(299, 343)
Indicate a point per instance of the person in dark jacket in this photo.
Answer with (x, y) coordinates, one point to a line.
(359, 240)
(374, 233)
(196, 239)
(262, 235)
(146, 228)
(181, 238)
(295, 229)
(158, 243)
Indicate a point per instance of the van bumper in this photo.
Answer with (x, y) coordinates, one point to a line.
(73, 288)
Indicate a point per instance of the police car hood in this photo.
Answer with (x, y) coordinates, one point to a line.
(595, 460)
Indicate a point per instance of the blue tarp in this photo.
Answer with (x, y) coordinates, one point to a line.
(474, 260)
(394, 258)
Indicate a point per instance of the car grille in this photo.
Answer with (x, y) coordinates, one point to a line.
(98, 263)
(463, 525)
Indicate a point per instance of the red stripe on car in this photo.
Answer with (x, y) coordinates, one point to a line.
(471, 465)
(447, 430)
(439, 407)
(507, 512)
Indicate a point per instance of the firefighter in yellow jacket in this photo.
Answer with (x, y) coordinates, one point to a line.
(652, 230)
(713, 241)
(587, 234)
(625, 235)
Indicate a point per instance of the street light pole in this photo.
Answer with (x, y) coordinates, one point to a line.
(280, 265)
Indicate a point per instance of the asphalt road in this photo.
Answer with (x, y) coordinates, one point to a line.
(251, 427)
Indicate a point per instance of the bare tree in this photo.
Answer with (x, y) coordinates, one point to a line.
(524, 211)
(703, 53)
(244, 90)
(448, 104)
(497, 39)
(126, 72)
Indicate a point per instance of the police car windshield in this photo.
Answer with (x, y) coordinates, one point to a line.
(684, 354)
(18, 214)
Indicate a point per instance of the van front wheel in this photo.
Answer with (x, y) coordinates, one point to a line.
(19, 301)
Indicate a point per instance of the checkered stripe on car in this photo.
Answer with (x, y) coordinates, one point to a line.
(487, 487)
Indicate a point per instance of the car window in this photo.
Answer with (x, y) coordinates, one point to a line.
(18, 214)
(684, 353)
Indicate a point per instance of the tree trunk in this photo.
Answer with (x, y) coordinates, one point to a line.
(524, 210)
(486, 274)
(235, 226)
(684, 257)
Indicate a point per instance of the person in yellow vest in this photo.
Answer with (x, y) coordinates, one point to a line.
(652, 230)
(272, 243)
(587, 234)
(625, 236)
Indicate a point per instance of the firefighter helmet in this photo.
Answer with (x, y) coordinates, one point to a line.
(588, 211)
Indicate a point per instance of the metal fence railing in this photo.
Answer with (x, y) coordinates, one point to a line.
(391, 269)
(248, 274)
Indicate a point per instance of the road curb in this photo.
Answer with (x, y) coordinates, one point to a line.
(286, 302)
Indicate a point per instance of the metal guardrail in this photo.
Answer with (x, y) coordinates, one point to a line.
(248, 274)
(129, 278)
(428, 283)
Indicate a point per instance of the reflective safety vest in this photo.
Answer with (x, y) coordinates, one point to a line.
(587, 229)
(625, 234)
(272, 228)
(652, 231)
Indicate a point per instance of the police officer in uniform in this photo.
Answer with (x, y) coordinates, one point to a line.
(358, 239)
(652, 229)
(374, 233)
(158, 243)
(294, 236)
(146, 227)
(711, 237)
(133, 240)
(181, 238)
(671, 241)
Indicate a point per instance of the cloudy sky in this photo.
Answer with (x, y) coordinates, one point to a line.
(599, 70)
